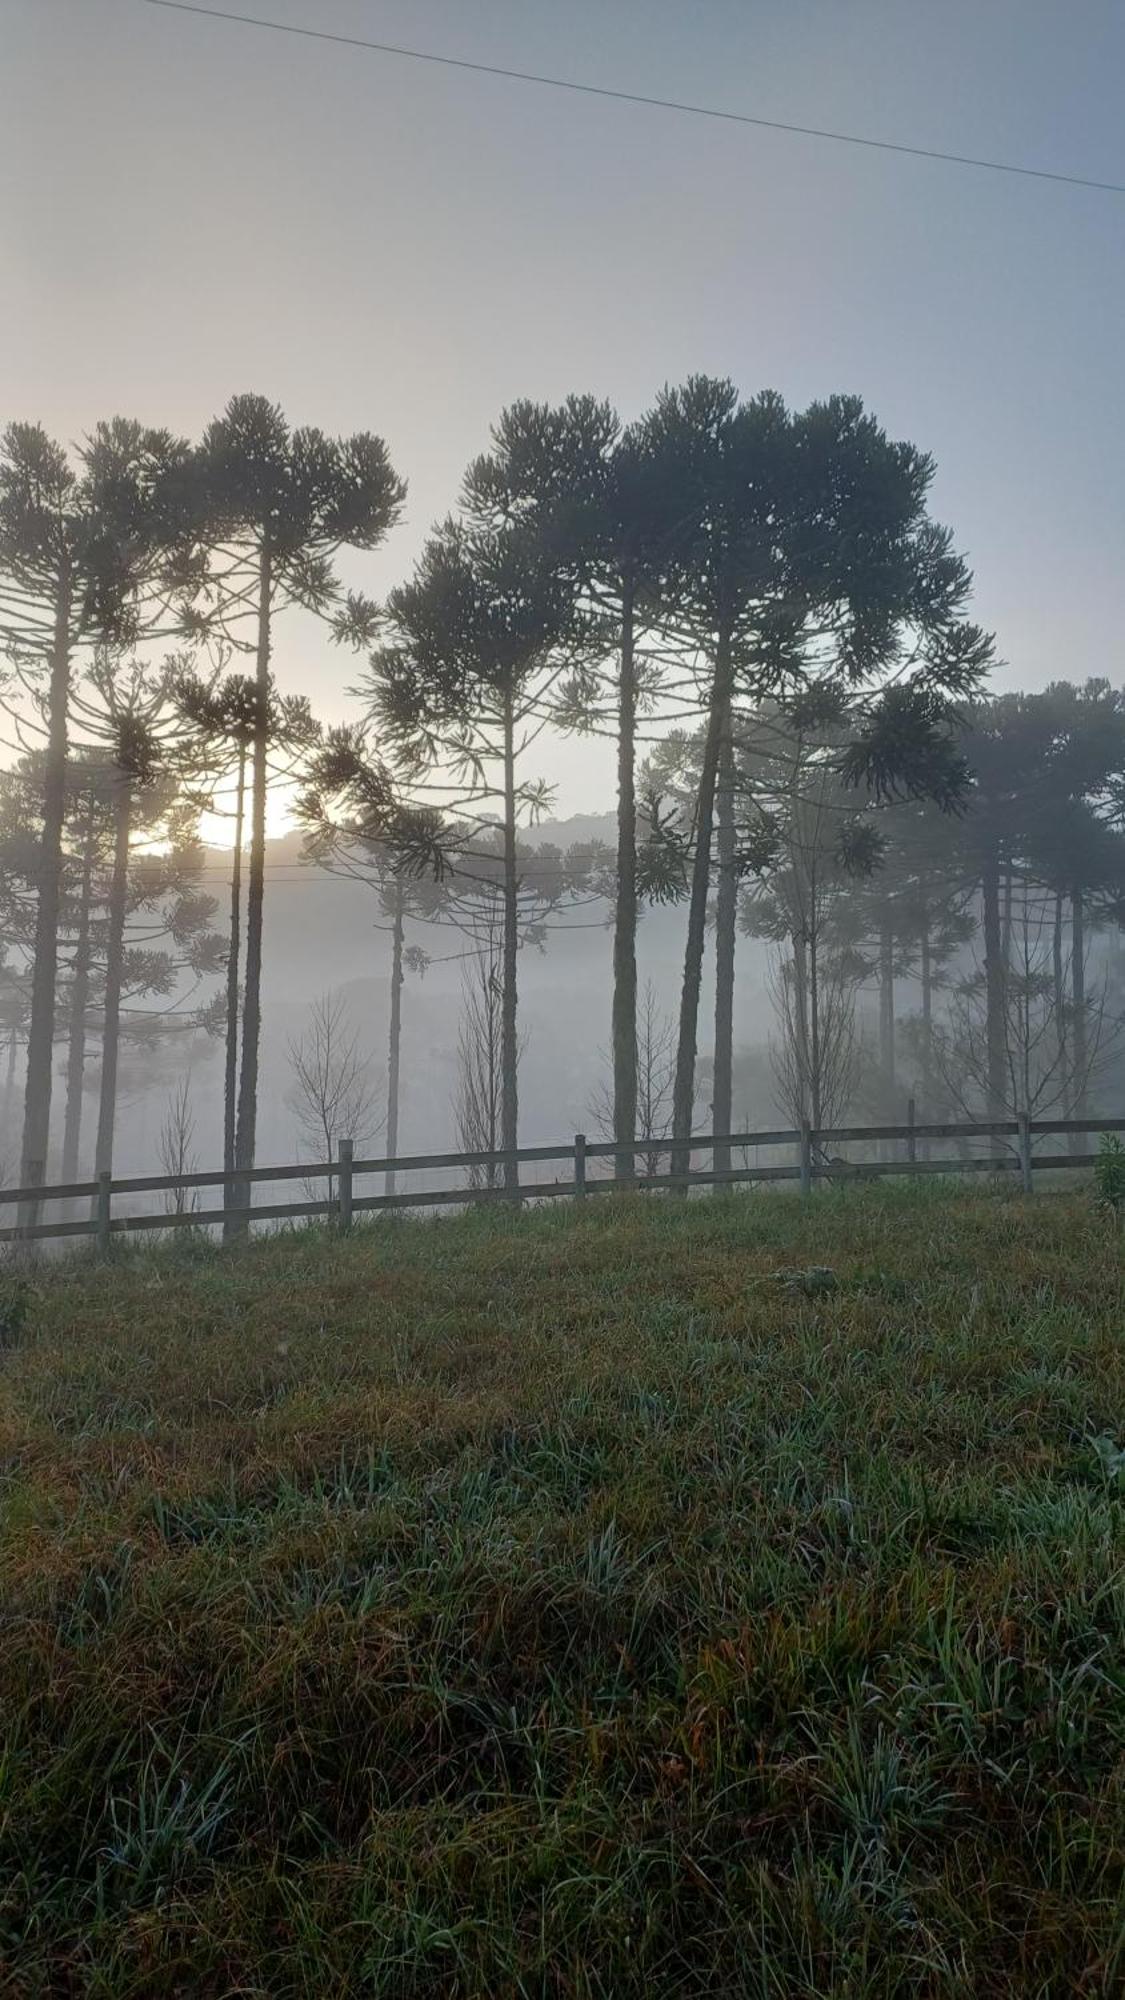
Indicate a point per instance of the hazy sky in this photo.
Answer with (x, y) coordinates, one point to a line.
(193, 208)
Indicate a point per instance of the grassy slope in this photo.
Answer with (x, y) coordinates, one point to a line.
(561, 1605)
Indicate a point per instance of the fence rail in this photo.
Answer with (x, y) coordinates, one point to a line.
(811, 1162)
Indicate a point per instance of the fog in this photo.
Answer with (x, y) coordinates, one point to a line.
(323, 935)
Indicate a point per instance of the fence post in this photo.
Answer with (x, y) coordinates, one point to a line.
(344, 1191)
(579, 1165)
(1023, 1121)
(911, 1142)
(102, 1204)
(31, 1212)
(806, 1158)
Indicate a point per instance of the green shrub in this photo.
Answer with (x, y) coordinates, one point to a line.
(1109, 1173)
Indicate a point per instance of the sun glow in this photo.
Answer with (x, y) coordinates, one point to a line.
(216, 828)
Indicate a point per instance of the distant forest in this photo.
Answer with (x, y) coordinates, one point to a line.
(752, 603)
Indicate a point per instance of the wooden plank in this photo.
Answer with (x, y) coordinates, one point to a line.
(319, 1170)
(121, 1225)
(971, 1129)
(417, 1162)
(856, 1170)
(32, 1232)
(210, 1217)
(167, 1183)
(468, 1197)
(66, 1191)
(271, 1212)
(1075, 1125)
(700, 1178)
(604, 1149)
(198, 1218)
(422, 1162)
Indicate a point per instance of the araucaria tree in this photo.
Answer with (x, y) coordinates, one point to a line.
(752, 599)
(1040, 1074)
(278, 504)
(470, 654)
(810, 838)
(357, 827)
(807, 558)
(83, 548)
(221, 712)
(134, 928)
(221, 715)
(606, 508)
(128, 712)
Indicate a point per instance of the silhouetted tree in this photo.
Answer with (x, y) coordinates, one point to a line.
(807, 837)
(79, 549)
(130, 708)
(1042, 1074)
(221, 714)
(91, 810)
(810, 560)
(461, 680)
(357, 828)
(924, 904)
(278, 505)
(607, 509)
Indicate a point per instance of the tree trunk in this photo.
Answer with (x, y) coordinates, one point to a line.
(230, 1070)
(887, 1028)
(114, 973)
(396, 1033)
(1006, 921)
(1080, 1045)
(802, 1053)
(726, 911)
(927, 978)
(995, 979)
(887, 1012)
(718, 724)
(9, 1082)
(1058, 979)
(816, 1061)
(491, 988)
(255, 897)
(509, 1043)
(41, 1026)
(625, 911)
(79, 1002)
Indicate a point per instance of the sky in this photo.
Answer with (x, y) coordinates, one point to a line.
(194, 208)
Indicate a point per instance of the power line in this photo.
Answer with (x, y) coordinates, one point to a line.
(637, 97)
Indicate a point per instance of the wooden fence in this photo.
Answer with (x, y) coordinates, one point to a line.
(1012, 1148)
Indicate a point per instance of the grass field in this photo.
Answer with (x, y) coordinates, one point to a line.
(570, 1604)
